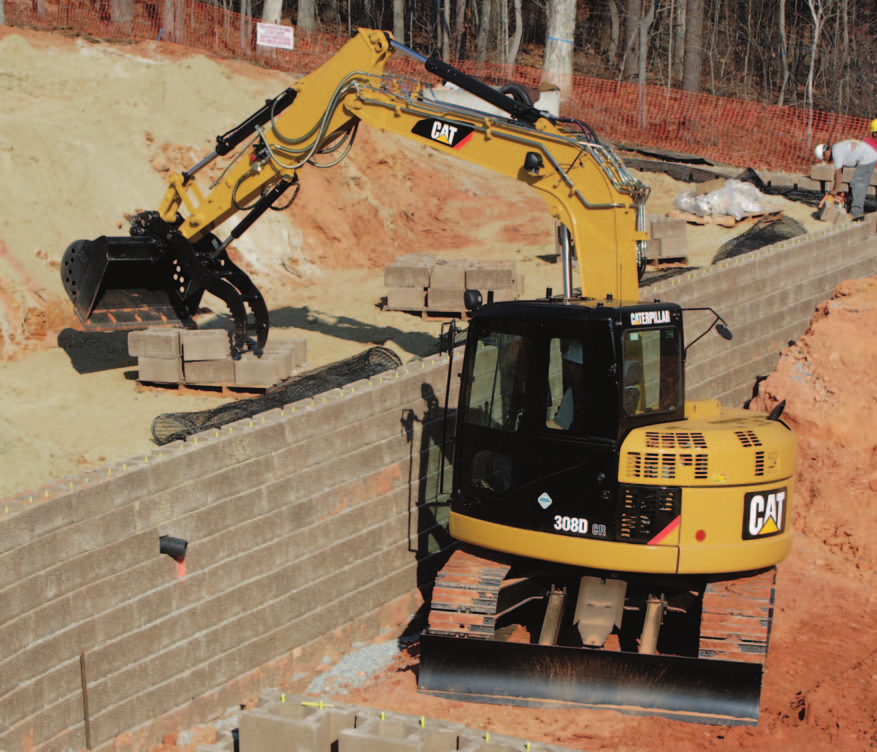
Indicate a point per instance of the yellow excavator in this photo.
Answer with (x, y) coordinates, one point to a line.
(617, 544)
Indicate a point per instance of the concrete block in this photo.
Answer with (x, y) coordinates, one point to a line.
(410, 270)
(822, 171)
(490, 275)
(209, 371)
(668, 247)
(709, 186)
(293, 726)
(205, 344)
(398, 733)
(160, 370)
(441, 299)
(667, 227)
(262, 371)
(406, 298)
(154, 343)
(448, 275)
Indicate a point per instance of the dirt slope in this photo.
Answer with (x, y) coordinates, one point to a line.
(88, 131)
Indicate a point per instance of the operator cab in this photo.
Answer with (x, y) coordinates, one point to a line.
(549, 391)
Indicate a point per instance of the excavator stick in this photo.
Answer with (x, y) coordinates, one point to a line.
(509, 673)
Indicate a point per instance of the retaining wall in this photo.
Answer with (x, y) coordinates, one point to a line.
(303, 523)
(767, 297)
(309, 529)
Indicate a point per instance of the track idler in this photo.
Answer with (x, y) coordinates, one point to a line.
(157, 277)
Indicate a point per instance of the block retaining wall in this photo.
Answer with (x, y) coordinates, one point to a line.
(300, 523)
(767, 297)
(309, 528)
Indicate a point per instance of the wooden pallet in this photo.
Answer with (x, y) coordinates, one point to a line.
(722, 220)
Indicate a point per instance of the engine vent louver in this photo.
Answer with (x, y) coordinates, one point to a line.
(748, 438)
(667, 465)
(759, 463)
(675, 440)
(645, 511)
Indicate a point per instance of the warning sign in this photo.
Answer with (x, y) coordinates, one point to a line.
(272, 35)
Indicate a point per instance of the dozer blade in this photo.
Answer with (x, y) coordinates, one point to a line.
(125, 283)
(506, 673)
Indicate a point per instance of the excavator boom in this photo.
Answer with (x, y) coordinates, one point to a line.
(158, 275)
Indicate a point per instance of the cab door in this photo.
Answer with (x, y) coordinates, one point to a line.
(574, 487)
(494, 436)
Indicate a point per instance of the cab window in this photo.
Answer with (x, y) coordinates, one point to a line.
(652, 368)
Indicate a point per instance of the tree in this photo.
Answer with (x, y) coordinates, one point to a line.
(784, 51)
(399, 21)
(306, 18)
(692, 60)
(122, 12)
(173, 21)
(817, 11)
(2, 13)
(632, 14)
(271, 11)
(483, 31)
(557, 62)
(515, 42)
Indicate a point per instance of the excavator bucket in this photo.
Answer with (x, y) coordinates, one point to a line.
(507, 673)
(125, 283)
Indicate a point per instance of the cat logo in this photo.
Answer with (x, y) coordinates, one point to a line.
(764, 514)
(450, 134)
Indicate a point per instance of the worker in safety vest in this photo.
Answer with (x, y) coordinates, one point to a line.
(851, 153)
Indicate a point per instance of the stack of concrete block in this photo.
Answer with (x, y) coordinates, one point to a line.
(422, 282)
(824, 175)
(202, 357)
(668, 239)
(305, 724)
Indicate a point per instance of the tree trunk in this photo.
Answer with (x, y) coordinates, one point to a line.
(173, 21)
(693, 57)
(271, 11)
(484, 31)
(678, 49)
(614, 32)
(632, 14)
(817, 12)
(306, 18)
(122, 12)
(557, 63)
(459, 22)
(246, 25)
(645, 25)
(784, 51)
(332, 13)
(445, 22)
(399, 21)
(515, 44)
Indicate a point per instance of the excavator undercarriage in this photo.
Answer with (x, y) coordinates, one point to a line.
(511, 632)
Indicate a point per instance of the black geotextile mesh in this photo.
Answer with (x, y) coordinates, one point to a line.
(765, 231)
(177, 426)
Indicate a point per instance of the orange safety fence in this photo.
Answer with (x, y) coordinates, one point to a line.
(721, 130)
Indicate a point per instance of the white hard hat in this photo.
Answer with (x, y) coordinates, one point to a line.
(574, 353)
(820, 151)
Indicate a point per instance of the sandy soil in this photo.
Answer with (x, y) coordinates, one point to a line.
(87, 133)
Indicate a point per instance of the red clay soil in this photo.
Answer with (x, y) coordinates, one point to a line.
(820, 685)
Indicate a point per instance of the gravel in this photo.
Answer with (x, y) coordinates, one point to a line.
(358, 667)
